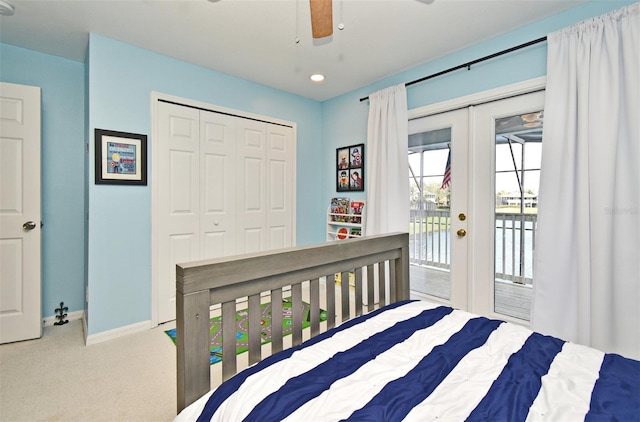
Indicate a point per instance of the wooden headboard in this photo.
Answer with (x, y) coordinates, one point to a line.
(380, 265)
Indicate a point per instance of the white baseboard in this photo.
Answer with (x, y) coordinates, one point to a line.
(117, 332)
(71, 316)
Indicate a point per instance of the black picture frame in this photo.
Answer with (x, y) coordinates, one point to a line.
(350, 168)
(120, 158)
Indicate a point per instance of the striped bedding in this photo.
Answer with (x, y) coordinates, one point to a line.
(418, 361)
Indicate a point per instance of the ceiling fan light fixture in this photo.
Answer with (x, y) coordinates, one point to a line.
(317, 77)
(6, 8)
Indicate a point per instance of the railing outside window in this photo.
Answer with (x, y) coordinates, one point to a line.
(429, 240)
(515, 243)
(429, 243)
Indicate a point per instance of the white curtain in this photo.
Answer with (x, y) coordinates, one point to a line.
(587, 265)
(387, 171)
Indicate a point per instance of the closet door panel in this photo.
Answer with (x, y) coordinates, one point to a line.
(183, 203)
(281, 185)
(251, 186)
(217, 188)
(178, 203)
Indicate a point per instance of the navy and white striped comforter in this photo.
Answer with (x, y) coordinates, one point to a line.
(418, 361)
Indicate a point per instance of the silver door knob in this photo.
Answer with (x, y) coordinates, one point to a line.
(29, 225)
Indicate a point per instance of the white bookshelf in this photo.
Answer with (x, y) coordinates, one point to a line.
(345, 225)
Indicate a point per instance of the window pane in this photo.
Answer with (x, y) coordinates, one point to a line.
(517, 160)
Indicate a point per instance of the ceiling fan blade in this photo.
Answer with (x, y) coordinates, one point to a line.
(321, 18)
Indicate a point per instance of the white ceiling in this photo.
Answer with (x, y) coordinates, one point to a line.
(256, 39)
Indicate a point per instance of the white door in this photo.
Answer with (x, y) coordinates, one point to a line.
(177, 237)
(217, 184)
(252, 186)
(439, 269)
(265, 181)
(280, 186)
(225, 186)
(197, 192)
(506, 170)
(20, 214)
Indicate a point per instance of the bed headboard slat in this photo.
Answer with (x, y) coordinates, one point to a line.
(358, 280)
(255, 343)
(314, 303)
(331, 301)
(229, 366)
(382, 283)
(370, 288)
(344, 293)
(296, 300)
(276, 322)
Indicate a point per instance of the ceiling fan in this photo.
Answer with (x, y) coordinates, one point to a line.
(321, 18)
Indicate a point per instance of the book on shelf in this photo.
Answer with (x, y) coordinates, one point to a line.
(356, 231)
(340, 206)
(356, 211)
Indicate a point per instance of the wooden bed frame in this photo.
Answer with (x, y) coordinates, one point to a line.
(204, 284)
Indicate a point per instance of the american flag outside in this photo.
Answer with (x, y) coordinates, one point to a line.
(446, 181)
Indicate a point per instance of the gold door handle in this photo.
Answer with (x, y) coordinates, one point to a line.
(461, 232)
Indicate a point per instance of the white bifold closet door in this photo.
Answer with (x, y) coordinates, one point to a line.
(226, 186)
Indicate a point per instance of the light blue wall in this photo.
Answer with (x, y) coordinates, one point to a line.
(121, 79)
(63, 148)
(345, 118)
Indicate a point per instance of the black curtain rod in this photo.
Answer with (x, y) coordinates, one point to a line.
(471, 63)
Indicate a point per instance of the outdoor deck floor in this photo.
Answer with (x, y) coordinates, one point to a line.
(511, 299)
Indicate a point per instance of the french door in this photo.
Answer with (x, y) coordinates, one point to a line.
(439, 145)
(507, 146)
(474, 174)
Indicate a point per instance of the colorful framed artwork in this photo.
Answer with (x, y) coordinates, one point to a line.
(120, 158)
(350, 168)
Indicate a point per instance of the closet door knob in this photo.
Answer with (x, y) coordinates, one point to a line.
(461, 232)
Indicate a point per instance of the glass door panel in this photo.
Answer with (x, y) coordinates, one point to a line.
(437, 176)
(508, 135)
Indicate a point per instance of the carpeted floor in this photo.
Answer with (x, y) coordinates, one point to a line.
(58, 378)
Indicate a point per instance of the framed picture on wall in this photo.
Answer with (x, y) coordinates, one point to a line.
(350, 168)
(120, 158)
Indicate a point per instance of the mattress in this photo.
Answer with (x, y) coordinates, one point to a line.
(417, 361)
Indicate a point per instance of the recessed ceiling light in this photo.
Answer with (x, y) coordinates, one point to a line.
(6, 8)
(317, 77)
